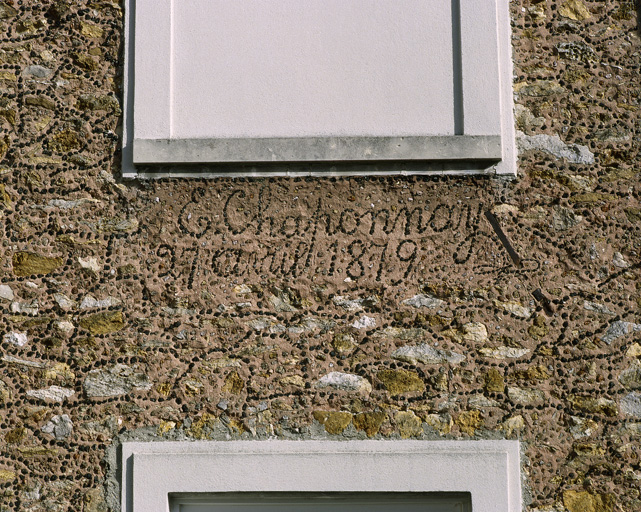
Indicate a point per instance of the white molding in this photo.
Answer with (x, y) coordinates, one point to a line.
(488, 470)
(317, 149)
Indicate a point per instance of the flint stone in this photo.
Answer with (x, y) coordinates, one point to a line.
(26, 308)
(64, 302)
(345, 382)
(364, 322)
(54, 393)
(427, 354)
(90, 302)
(424, 301)
(59, 426)
(6, 292)
(19, 339)
(115, 381)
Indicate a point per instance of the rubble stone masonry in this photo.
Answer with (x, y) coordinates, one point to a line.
(339, 308)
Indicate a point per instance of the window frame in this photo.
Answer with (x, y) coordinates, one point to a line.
(488, 470)
(484, 142)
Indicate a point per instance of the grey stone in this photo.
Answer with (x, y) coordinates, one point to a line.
(631, 404)
(265, 322)
(23, 362)
(597, 308)
(223, 405)
(53, 393)
(354, 304)
(6, 292)
(63, 204)
(618, 329)
(577, 51)
(427, 354)
(59, 426)
(37, 71)
(480, 401)
(552, 144)
(310, 324)
(281, 304)
(424, 301)
(564, 218)
(525, 396)
(401, 333)
(115, 381)
(19, 339)
(345, 382)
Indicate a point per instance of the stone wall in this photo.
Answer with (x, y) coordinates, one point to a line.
(308, 308)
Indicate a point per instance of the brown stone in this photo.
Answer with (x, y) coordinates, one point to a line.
(592, 198)
(633, 214)
(5, 198)
(7, 476)
(16, 435)
(334, 422)
(370, 422)
(401, 381)
(65, 141)
(103, 323)
(6, 11)
(94, 501)
(233, 383)
(85, 62)
(575, 10)
(40, 101)
(539, 329)
(594, 405)
(202, 428)
(584, 501)
(494, 381)
(343, 343)
(29, 263)
(469, 421)
(409, 425)
(9, 115)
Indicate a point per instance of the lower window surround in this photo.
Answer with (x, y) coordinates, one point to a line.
(154, 472)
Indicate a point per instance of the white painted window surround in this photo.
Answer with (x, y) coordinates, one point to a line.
(266, 81)
(156, 476)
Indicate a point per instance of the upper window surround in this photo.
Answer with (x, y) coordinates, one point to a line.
(434, 94)
(488, 470)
